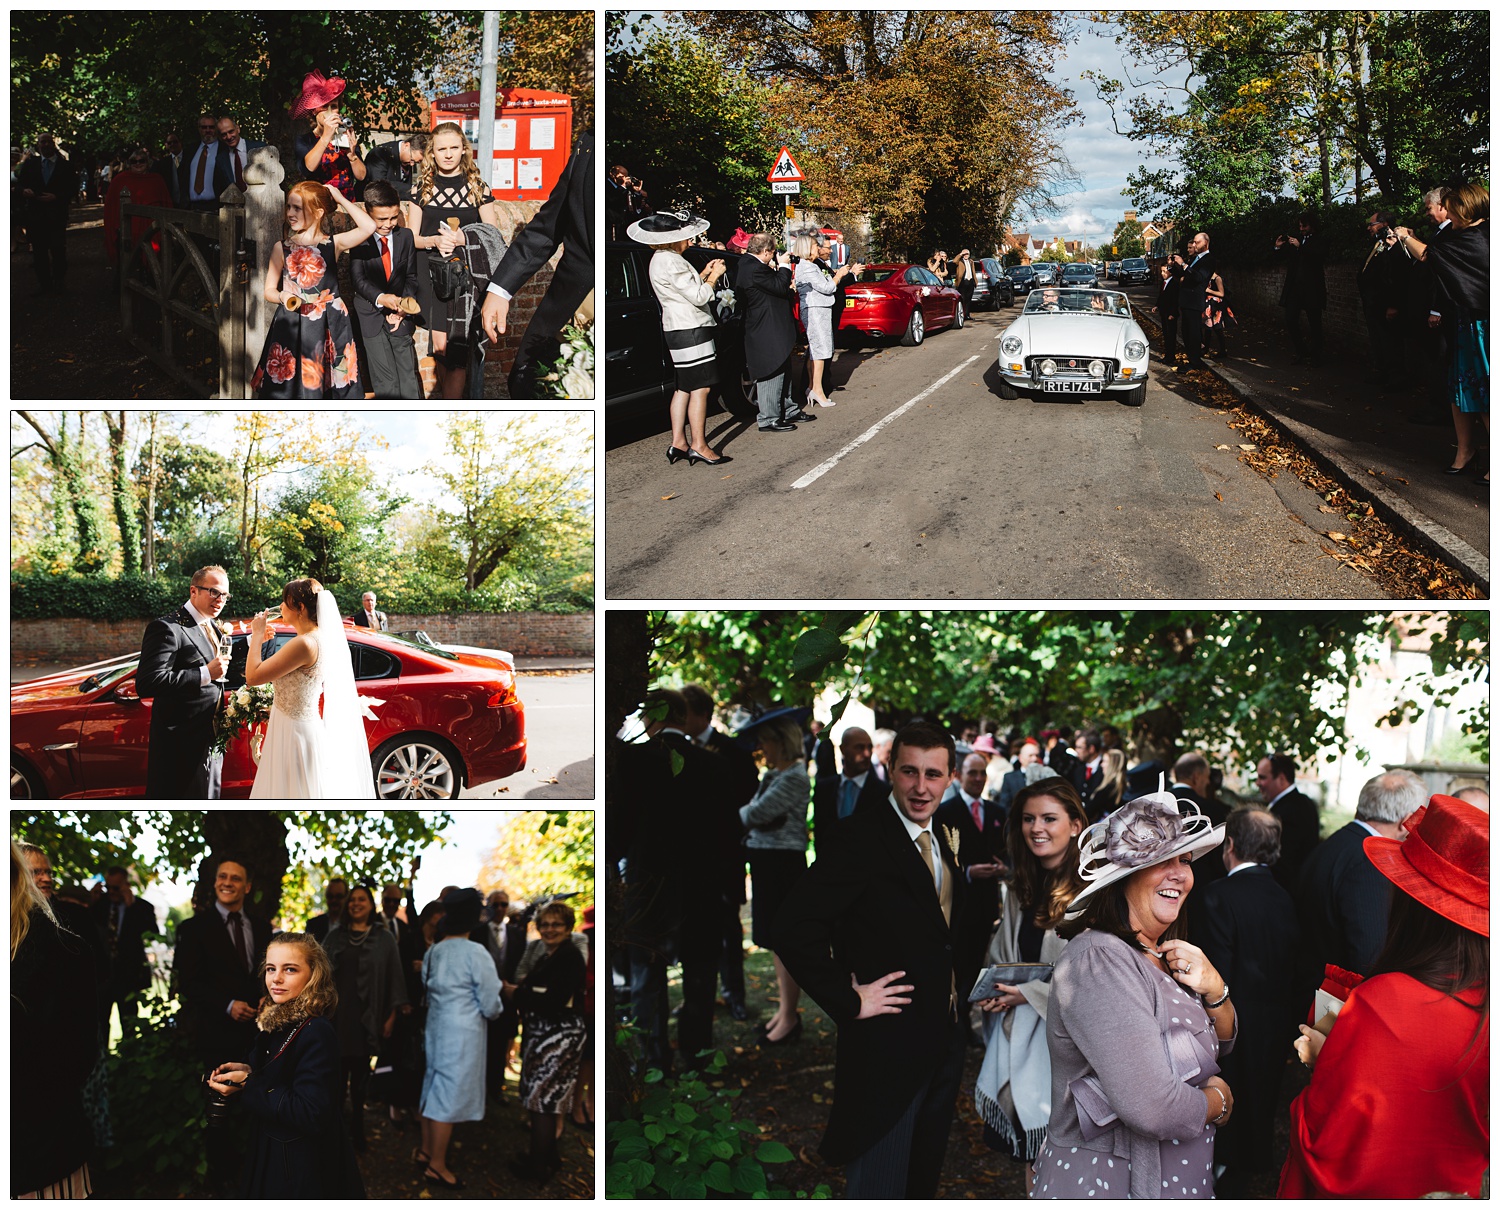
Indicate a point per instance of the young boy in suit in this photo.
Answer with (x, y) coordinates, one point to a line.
(384, 273)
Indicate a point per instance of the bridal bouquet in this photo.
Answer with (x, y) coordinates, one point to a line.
(572, 375)
(246, 708)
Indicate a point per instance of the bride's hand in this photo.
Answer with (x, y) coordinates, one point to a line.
(258, 627)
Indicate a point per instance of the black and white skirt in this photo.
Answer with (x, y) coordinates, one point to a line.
(551, 1055)
(692, 352)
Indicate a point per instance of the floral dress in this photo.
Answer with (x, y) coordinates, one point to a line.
(310, 352)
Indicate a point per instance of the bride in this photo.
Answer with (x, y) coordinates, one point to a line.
(307, 755)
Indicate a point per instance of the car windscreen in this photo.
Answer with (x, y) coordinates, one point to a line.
(424, 648)
(874, 275)
(105, 675)
(1076, 302)
(1136, 262)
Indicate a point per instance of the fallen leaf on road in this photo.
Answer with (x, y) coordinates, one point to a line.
(1323, 508)
(1218, 497)
(1337, 537)
(1247, 447)
(673, 496)
(728, 476)
(1399, 479)
(1298, 541)
(1221, 447)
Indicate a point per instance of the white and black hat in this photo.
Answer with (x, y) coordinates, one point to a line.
(667, 227)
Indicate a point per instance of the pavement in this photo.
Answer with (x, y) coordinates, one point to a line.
(1360, 434)
(922, 483)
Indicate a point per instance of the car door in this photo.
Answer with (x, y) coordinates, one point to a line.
(114, 741)
(940, 305)
(637, 366)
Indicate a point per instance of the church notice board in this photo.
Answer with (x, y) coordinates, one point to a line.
(533, 136)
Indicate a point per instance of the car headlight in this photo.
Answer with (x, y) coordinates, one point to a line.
(1135, 349)
(1011, 346)
(1048, 367)
(1096, 369)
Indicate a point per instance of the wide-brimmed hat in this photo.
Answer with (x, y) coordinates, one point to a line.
(745, 736)
(1146, 831)
(666, 227)
(1444, 862)
(987, 745)
(318, 90)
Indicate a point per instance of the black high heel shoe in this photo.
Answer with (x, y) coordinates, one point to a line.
(791, 1035)
(676, 455)
(1459, 470)
(694, 456)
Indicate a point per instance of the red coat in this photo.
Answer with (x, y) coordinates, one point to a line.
(1399, 1104)
(146, 189)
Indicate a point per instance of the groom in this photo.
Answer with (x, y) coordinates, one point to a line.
(180, 664)
(872, 933)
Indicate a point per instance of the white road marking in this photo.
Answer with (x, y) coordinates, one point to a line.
(823, 468)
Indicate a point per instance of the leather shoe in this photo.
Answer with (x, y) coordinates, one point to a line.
(778, 427)
(737, 1009)
(799, 417)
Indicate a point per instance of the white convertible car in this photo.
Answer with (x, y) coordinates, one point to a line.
(1075, 342)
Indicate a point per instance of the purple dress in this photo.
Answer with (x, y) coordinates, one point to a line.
(1130, 1048)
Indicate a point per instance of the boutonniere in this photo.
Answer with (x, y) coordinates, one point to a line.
(950, 835)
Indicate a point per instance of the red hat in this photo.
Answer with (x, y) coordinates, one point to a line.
(317, 91)
(739, 241)
(1444, 862)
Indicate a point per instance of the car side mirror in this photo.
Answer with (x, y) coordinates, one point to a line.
(126, 692)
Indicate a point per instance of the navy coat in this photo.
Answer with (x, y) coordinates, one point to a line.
(292, 1100)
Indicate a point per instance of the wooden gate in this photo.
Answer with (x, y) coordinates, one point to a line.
(183, 287)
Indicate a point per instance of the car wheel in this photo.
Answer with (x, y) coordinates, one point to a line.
(958, 316)
(417, 767)
(24, 783)
(1134, 399)
(1007, 391)
(916, 328)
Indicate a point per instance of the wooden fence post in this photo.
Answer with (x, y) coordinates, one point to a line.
(265, 216)
(124, 248)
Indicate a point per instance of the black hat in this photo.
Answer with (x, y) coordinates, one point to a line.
(745, 736)
(461, 910)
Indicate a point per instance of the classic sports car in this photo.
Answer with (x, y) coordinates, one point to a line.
(1075, 342)
(445, 720)
(900, 300)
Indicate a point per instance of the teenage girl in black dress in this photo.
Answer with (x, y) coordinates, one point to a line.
(448, 186)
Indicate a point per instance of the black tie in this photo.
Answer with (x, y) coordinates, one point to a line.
(237, 929)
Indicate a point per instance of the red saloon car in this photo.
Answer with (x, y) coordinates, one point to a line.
(908, 301)
(446, 720)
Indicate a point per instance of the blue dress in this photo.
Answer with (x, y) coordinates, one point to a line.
(463, 991)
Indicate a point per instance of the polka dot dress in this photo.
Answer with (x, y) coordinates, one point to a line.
(1186, 1164)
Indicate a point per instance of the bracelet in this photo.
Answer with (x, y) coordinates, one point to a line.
(1219, 1002)
(1223, 1108)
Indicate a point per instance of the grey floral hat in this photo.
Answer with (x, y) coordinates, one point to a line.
(1146, 831)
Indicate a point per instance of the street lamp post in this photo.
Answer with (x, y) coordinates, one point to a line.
(487, 97)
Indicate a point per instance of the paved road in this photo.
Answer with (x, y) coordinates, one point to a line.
(923, 483)
(559, 740)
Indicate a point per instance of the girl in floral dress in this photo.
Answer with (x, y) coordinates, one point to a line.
(310, 351)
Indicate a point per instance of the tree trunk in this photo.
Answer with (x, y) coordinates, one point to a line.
(257, 840)
(1155, 733)
(150, 567)
(123, 496)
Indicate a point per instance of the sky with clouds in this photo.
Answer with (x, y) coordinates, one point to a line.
(1101, 158)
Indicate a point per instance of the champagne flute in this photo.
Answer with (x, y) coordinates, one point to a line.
(226, 651)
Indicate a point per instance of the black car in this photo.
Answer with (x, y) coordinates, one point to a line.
(638, 369)
(1078, 275)
(1002, 289)
(1134, 271)
(1023, 277)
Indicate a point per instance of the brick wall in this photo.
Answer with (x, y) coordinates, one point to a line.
(1257, 292)
(512, 216)
(80, 641)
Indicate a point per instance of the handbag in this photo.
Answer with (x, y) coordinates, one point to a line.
(448, 277)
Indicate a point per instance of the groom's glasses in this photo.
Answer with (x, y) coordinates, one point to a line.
(213, 592)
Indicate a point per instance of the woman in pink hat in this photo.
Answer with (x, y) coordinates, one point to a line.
(326, 161)
(1399, 1104)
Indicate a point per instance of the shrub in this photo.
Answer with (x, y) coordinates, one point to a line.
(684, 1142)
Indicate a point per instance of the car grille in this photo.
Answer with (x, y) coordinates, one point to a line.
(1064, 370)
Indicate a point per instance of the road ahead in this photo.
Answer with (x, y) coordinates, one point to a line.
(923, 483)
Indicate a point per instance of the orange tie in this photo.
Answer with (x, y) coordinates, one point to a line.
(385, 257)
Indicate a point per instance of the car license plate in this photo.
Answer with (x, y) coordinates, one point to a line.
(1068, 386)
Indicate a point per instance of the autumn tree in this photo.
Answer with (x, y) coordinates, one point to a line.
(522, 487)
(543, 852)
(74, 495)
(1127, 239)
(896, 113)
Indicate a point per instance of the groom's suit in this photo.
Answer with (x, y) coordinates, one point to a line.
(174, 652)
(867, 908)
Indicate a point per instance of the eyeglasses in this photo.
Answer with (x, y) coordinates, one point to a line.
(550, 924)
(213, 592)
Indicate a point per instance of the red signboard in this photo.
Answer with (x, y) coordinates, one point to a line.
(533, 136)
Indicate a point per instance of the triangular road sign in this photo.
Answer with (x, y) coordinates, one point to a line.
(785, 168)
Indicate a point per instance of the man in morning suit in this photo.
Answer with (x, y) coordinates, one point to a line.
(763, 284)
(839, 796)
(1276, 778)
(219, 952)
(46, 184)
(123, 920)
(1304, 288)
(566, 219)
(169, 167)
(180, 668)
(396, 163)
(384, 273)
(872, 934)
(1090, 772)
(980, 825)
(1015, 781)
(1194, 275)
(739, 768)
(1248, 929)
(368, 616)
(236, 149)
(1343, 901)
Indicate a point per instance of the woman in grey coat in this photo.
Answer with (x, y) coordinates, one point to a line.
(371, 987)
(777, 819)
(816, 291)
(1138, 1018)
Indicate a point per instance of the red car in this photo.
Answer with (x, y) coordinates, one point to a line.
(908, 301)
(447, 720)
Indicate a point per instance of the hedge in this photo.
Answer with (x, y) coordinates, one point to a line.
(1250, 239)
(106, 599)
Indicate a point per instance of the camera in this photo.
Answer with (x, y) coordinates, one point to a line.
(216, 1103)
(1382, 232)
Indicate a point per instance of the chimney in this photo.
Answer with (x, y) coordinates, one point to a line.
(1130, 216)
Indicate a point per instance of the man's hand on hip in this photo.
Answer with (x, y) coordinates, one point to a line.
(881, 996)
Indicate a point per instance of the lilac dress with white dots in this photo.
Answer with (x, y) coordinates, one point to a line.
(1089, 1149)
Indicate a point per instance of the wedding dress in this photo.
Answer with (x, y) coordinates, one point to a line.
(311, 755)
